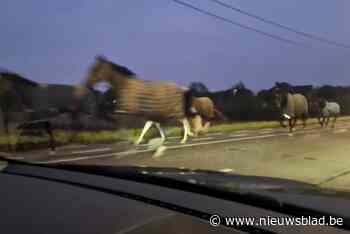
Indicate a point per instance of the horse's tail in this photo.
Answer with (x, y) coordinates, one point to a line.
(307, 106)
(219, 115)
(188, 100)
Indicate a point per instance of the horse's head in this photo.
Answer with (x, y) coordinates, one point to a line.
(321, 103)
(280, 98)
(100, 71)
(107, 71)
(109, 101)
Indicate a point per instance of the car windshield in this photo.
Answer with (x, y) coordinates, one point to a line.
(244, 88)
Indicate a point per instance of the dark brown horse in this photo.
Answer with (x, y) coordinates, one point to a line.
(27, 104)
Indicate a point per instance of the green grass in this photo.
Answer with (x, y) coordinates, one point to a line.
(86, 137)
(229, 127)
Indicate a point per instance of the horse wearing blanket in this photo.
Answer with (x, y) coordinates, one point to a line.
(159, 101)
(292, 106)
(326, 111)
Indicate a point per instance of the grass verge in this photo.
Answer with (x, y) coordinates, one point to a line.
(84, 137)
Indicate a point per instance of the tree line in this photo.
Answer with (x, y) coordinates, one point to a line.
(239, 103)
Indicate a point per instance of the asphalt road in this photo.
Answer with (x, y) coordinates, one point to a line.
(313, 155)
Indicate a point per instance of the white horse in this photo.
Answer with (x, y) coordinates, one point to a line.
(328, 110)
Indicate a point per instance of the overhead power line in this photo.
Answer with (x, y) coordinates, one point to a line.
(276, 37)
(305, 34)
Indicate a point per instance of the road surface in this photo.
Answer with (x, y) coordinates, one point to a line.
(313, 155)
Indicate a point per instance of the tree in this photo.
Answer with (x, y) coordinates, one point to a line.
(328, 92)
(239, 85)
(199, 89)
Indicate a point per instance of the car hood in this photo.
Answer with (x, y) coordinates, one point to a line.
(213, 179)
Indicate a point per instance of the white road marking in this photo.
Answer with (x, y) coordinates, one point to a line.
(266, 131)
(15, 157)
(120, 155)
(215, 134)
(159, 152)
(243, 131)
(73, 146)
(91, 151)
(226, 170)
(174, 137)
(202, 139)
(239, 135)
(225, 141)
(340, 131)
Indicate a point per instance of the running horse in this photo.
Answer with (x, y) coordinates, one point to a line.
(37, 103)
(327, 110)
(291, 106)
(158, 101)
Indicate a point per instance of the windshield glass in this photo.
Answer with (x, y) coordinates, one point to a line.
(242, 88)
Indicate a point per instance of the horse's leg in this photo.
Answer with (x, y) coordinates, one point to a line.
(186, 127)
(320, 121)
(294, 122)
(327, 122)
(206, 127)
(161, 132)
(190, 133)
(290, 121)
(7, 131)
(334, 121)
(319, 118)
(304, 120)
(196, 125)
(145, 129)
(48, 129)
(323, 121)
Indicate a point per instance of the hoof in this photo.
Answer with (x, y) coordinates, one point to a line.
(183, 141)
(159, 152)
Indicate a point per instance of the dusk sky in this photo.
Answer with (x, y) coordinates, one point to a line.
(56, 41)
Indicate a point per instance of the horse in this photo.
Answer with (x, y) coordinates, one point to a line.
(38, 102)
(326, 111)
(291, 107)
(158, 101)
(200, 123)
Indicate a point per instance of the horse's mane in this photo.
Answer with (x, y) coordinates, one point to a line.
(14, 77)
(119, 68)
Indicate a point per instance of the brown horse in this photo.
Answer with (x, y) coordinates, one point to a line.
(159, 101)
(200, 123)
